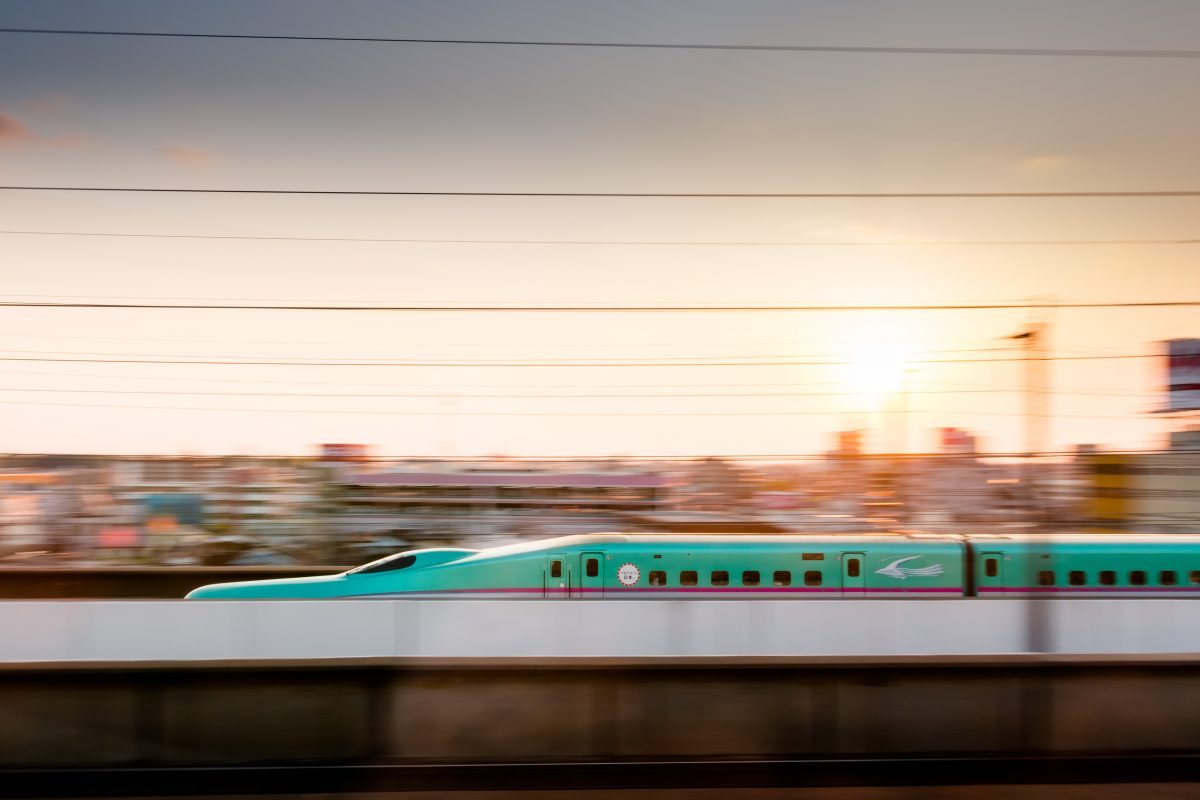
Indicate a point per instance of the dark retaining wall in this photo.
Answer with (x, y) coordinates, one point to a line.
(360, 713)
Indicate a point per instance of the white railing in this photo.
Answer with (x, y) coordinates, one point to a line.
(65, 630)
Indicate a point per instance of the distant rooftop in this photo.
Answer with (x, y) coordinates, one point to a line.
(546, 480)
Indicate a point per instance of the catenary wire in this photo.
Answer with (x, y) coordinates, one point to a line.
(661, 309)
(443, 412)
(557, 365)
(616, 458)
(538, 396)
(453, 388)
(627, 242)
(1143, 193)
(861, 49)
(555, 360)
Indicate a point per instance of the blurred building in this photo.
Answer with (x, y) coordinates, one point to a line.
(465, 502)
(1153, 492)
(1156, 491)
(223, 493)
(715, 485)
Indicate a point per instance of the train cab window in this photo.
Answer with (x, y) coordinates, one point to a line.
(813, 557)
(1137, 577)
(1167, 577)
(1108, 577)
(1046, 577)
(388, 564)
(750, 577)
(720, 577)
(555, 569)
(812, 578)
(1077, 577)
(991, 567)
(592, 567)
(688, 578)
(658, 578)
(782, 577)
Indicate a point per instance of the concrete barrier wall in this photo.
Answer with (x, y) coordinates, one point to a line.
(62, 715)
(71, 631)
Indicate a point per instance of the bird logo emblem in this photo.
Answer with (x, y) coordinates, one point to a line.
(894, 570)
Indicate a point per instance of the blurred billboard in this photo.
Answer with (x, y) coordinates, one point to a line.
(180, 508)
(1183, 375)
(343, 452)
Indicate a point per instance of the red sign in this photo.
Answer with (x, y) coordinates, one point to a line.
(343, 452)
(1183, 375)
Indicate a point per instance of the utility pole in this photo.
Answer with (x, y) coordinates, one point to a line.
(1035, 394)
(1033, 340)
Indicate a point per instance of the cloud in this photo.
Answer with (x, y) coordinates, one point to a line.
(187, 155)
(14, 132)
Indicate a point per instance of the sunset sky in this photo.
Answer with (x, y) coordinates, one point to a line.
(146, 112)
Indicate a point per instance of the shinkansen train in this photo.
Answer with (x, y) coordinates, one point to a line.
(716, 567)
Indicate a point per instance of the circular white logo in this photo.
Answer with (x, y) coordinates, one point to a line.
(628, 574)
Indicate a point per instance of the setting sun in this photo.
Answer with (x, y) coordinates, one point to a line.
(876, 369)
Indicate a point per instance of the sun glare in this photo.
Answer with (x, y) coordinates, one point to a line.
(876, 370)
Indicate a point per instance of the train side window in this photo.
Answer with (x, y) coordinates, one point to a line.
(782, 577)
(750, 577)
(1194, 576)
(990, 567)
(1077, 577)
(1108, 577)
(555, 569)
(688, 578)
(720, 577)
(658, 578)
(854, 567)
(592, 567)
(813, 557)
(1137, 577)
(812, 578)
(1046, 577)
(1167, 577)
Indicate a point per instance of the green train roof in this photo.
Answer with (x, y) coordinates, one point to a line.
(838, 540)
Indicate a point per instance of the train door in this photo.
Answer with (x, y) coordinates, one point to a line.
(854, 583)
(989, 574)
(591, 576)
(557, 577)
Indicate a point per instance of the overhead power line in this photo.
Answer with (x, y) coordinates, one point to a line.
(625, 242)
(1165, 193)
(770, 48)
(458, 389)
(508, 360)
(610, 458)
(444, 412)
(548, 364)
(545, 396)
(210, 306)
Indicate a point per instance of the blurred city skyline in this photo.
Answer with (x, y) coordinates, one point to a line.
(254, 114)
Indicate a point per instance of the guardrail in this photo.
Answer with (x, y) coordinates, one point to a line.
(74, 631)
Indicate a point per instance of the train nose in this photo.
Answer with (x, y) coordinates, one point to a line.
(280, 589)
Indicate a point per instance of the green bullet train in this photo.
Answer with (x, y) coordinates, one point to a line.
(740, 567)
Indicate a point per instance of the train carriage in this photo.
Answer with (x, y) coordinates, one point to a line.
(1086, 565)
(635, 567)
(746, 567)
